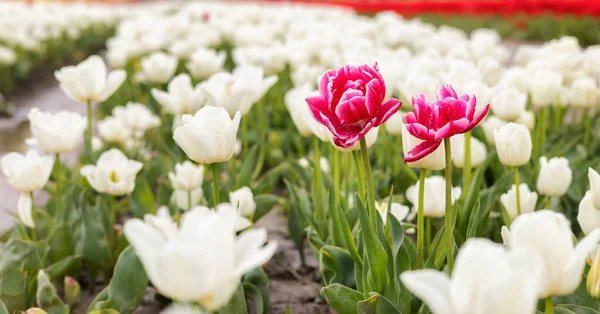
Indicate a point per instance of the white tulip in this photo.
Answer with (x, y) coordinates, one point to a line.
(490, 69)
(435, 160)
(516, 77)
(112, 130)
(158, 68)
(489, 125)
(187, 176)
(187, 199)
(238, 91)
(209, 136)
(243, 200)
(549, 233)
(89, 80)
(478, 153)
(26, 173)
(594, 179)
(588, 215)
(508, 103)
(295, 102)
(97, 143)
(462, 72)
(205, 62)
(527, 119)
(513, 144)
(324, 163)
(57, 133)
(25, 209)
(136, 117)
(486, 279)
(555, 176)
(370, 138)
(528, 200)
(434, 202)
(395, 124)
(418, 83)
(181, 97)
(204, 260)
(318, 130)
(398, 210)
(583, 93)
(113, 173)
(272, 59)
(544, 87)
(481, 92)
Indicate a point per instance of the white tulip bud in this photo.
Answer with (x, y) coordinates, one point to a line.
(434, 203)
(205, 62)
(478, 153)
(555, 176)
(528, 200)
(490, 69)
(243, 200)
(112, 130)
(394, 124)
(513, 144)
(187, 176)
(295, 102)
(544, 87)
(158, 68)
(588, 215)
(508, 103)
(594, 178)
(434, 161)
(209, 136)
(528, 119)
(398, 210)
(489, 125)
(583, 93)
(26, 173)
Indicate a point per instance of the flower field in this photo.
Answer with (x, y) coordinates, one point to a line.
(400, 167)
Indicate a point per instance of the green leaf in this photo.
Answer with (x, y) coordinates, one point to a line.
(347, 236)
(337, 266)
(105, 311)
(376, 257)
(60, 243)
(578, 309)
(259, 279)
(61, 267)
(341, 298)
(46, 297)
(376, 304)
(264, 203)
(93, 243)
(237, 304)
(142, 199)
(250, 289)
(472, 227)
(3, 309)
(580, 297)
(244, 175)
(128, 285)
(19, 259)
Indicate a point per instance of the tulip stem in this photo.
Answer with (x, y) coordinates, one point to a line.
(33, 232)
(215, 175)
(548, 202)
(360, 176)
(336, 174)
(369, 182)
(518, 191)
(588, 128)
(448, 239)
(543, 127)
(549, 305)
(59, 210)
(88, 138)
(467, 165)
(189, 200)
(245, 134)
(427, 233)
(420, 220)
(318, 181)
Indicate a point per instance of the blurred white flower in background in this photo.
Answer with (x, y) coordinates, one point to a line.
(113, 173)
(59, 132)
(203, 63)
(181, 96)
(434, 201)
(158, 68)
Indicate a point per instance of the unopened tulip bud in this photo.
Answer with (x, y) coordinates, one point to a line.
(243, 200)
(72, 291)
(594, 178)
(513, 143)
(35, 310)
(593, 278)
(555, 176)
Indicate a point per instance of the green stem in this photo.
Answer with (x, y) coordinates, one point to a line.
(448, 240)
(369, 182)
(549, 305)
(245, 134)
(548, 202)
(335, 158)
(467, 165)
(59, 209)
(518, 191)
(421, 220)
(33, 232)
(427, 233)
(543, 127)
(215, 175)
(318, 180)
(360, 176)
(88, 138)
(189, 200)
(587, 124)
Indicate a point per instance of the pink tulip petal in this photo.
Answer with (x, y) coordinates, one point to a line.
(452, 128)
(422, 150)
(374, 96)
(388, 109)
(318, 105)
(478, 117)
(446, 91)
(421, 132)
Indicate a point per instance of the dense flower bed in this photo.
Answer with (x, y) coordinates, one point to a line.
(429, 170)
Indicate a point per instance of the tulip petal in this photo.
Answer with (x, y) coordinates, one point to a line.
(388, 109)
(571, 274)
(433, 287)
(114, 81)
(446, 91)
(478, 117)
(318, 106)
(452, 128)
(147, 243)
(24, 210)
(420, 151)
(507, 238)
(594, 179)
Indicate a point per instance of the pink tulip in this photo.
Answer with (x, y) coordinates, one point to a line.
(443, 118)
(350, 103)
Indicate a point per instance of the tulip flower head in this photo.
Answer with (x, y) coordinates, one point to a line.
(351, 102)
(594, 178)
(60, 132)
(181, 97)
(445, 117)
(187, 176)
(243, 200)
(588, 216)
(113, 173)
(555, 176)
(203, 259)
